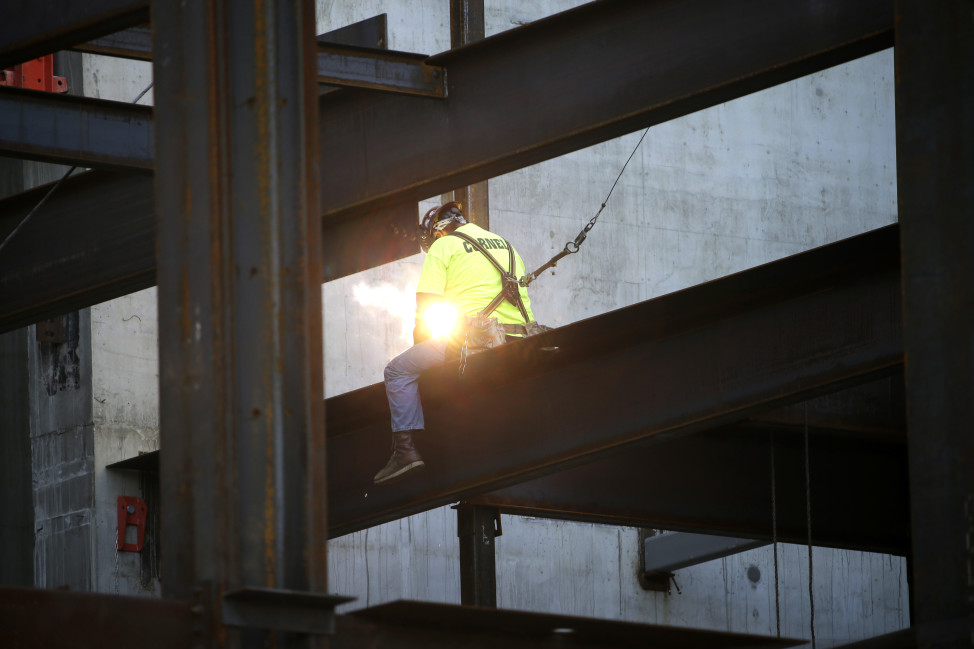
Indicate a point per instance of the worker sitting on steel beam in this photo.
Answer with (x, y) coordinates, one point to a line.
(468, 299)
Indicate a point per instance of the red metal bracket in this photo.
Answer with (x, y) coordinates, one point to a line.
(35, 75)
(131, 511)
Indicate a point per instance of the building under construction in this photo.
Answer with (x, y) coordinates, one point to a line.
(749, 426)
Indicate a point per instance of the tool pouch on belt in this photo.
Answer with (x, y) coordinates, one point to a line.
(483, 333)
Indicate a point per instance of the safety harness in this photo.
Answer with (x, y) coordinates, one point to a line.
(510, 286)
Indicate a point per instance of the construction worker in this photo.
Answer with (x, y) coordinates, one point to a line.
(464, 272)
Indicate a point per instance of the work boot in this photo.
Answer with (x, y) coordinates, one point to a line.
(404, 458)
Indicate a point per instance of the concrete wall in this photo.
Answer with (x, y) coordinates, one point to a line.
(124, 381)
(62, 447)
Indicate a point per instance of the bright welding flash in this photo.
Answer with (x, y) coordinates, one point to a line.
(441, 318)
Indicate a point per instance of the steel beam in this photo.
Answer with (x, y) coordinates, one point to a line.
(421, 625)
(720, 482)
(578, 78)
(241, 415)
(517, 98)
(60, 128)
(697, 359)
(673, 551)
(136, 43)
(934, 61)
(377, 69)
(33, 618)
(30, 29)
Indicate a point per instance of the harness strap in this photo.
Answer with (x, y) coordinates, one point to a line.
(510, 289)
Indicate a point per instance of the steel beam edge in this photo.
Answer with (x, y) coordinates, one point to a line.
(379, 69)
(780, 333)
(38, 618)
(30, 29)
(75, 130)
(407, 625)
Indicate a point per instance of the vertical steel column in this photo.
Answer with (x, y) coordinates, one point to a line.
(239, 248)
(477, 527)
(467, 26)
(935, 168)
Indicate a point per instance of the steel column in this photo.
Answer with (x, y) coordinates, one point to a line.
(466, 27)
(719, 482)
(935, 170)
(477, 528)
(700, 358)
(30, 29)
(242, 474)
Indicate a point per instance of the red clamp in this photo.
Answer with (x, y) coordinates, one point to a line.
(131, 511)
(37, 74)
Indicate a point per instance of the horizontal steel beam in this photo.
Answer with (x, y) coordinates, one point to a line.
(61, 128)
(33, 618)
(134, 43)
(420, 625)
(575, 79)
(29, 29)
(673, 551)
(377, 69)
(698, 359)
(720, 482)
(104, 222)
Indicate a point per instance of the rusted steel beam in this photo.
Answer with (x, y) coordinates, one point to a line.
(692, 360)
(30, 29)
(32, 618)
(240, 358)
(377, 69)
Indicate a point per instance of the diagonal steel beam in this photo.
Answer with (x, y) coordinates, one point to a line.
(576, 79)
(29, 29)
(693, 360)
(516, 98)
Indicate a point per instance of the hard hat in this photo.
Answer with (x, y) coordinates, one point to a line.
(437, 220)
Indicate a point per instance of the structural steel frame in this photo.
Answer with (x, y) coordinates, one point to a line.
(508, 105)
